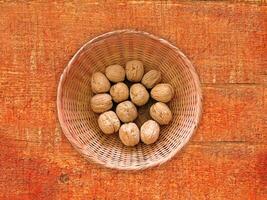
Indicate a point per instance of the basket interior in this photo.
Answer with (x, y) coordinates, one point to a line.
(79, 123)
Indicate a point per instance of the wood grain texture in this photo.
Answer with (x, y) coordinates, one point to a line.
(226, 42)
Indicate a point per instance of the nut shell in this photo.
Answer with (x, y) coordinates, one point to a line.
(162, 92)
(151, 78)
(129, 134)
(126, 111)
(109, 122)
(134, 70)
(161, 113)
(115, 73)
(101, 103)
(99, 83)
(139, 95)
(119, 92)
(149, 132)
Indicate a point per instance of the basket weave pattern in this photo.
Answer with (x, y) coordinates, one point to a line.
(79, 123)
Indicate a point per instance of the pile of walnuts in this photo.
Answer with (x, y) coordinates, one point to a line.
(126, 110)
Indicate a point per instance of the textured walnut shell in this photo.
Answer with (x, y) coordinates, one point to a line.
(139, 95)
(109, 122)
(162, 92)
(129, 134)
(119, 92)
(115, 73)
(101, 103)
(134, 70)
(161, 113)
(149, 132)
(126, 111)
(99, 83)
(151, 78)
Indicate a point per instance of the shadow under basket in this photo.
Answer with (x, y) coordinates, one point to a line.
(79, 123)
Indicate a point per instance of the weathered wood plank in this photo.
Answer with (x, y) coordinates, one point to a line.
(226, 42)
(230, 113)
(233, 113)
(210, 171)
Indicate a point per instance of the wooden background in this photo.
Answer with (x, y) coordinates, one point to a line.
(226, 42)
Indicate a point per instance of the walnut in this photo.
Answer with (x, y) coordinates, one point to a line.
(149, 132)
(101, 103)
(109, 122)
(139, 94)
(129, 134)
(162, 92)
(115, 73)
(126, 111)
(119, 92)
(99, 83)
(151, 78)
(161, 113)
(134, 70)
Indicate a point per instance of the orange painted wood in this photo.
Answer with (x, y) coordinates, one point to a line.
(226, 42)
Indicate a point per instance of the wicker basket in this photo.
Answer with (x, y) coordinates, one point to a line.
(79, 123)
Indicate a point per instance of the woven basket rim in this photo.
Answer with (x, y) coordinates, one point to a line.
(97, 39)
